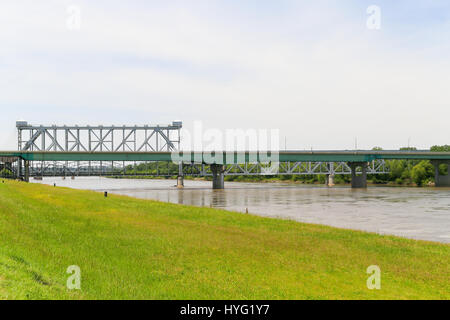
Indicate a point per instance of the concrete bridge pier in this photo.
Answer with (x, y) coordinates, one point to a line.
(441, 180)
(359, 181)
(180, 182)
(19, 169)
(218, 176)
(180, 178)
(329, 178)
(27, 171)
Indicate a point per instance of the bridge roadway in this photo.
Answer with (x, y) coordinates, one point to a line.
(218, 159)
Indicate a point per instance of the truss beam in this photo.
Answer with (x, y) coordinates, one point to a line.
(99, 138)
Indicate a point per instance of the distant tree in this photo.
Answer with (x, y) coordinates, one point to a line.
(445, 148)
(396, 169)
(5, 173)
(422, 172)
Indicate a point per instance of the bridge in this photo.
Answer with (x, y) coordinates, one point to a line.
(87, 150)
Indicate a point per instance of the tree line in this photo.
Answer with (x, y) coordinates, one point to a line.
(401, 172)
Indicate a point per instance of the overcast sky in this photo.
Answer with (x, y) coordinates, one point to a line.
(312, 69)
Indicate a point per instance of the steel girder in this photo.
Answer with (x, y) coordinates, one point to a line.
(99, 138)
(96, 168)
(286, 168)
(89, 139)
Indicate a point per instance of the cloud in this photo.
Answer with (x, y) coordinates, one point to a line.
(312, 70)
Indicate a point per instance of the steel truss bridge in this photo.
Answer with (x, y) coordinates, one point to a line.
(73, 141)
(98, 138)
(154, 151)
(285, 168)
(146, 138)
(161, 164)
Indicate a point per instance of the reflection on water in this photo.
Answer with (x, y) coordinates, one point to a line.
(419, 213)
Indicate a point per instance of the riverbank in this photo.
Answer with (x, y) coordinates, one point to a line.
(131, 248)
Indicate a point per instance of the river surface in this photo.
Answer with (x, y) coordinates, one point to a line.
(417, 213)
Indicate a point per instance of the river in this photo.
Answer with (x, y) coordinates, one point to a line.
(417, 213)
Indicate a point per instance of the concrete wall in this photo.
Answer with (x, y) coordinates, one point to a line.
(441, 180)
(359, 181)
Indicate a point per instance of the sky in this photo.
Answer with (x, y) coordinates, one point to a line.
(312, 69)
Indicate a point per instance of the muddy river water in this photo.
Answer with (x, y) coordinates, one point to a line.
(418, 213)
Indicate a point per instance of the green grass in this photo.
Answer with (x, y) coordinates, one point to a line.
(131, 248)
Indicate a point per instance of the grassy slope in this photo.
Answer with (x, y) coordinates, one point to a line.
(130, 248)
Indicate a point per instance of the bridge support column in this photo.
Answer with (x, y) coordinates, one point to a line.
(180, 178)
(180, 182)
(329, 179)
(218, 176)
(359, 181)
(441, 180)
(19, 169)
(27, 171)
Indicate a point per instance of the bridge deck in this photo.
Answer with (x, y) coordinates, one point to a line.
(228, 157)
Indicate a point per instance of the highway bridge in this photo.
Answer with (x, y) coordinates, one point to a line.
(124, 150)
(221, 163)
